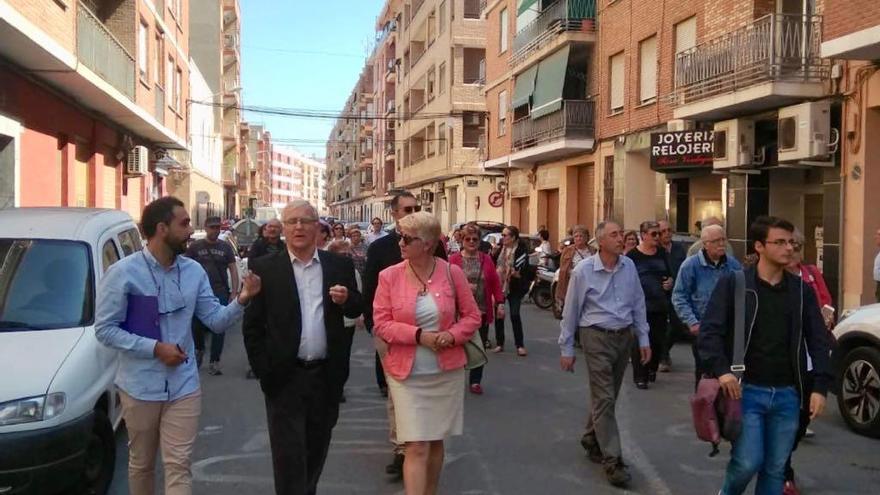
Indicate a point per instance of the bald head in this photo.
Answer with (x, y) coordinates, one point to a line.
(709, 221)
(710, 232)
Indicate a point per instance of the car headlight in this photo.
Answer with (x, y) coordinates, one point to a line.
(32, 409)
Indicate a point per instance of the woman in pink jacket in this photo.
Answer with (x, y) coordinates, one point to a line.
(414, 312)
(485, 287)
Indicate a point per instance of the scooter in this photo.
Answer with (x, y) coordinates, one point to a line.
(541, 291)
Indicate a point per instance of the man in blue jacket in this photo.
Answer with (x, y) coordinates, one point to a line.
(696, 281)
(783, 328)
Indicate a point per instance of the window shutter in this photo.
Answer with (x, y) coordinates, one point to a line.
(648, 69)
(617, 82)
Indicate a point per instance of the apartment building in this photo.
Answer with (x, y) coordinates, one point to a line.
(441, 111)
(258, 142)
(287, 176)
(198, 183)
(540, 61)
(92, 101)
(851, 36)
(315, 182)
(215, 45)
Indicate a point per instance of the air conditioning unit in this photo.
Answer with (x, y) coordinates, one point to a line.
(804, 131)
(679, 125)
(138, 161)
(734, 144)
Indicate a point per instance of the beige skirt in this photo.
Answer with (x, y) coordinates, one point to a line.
(428, 407)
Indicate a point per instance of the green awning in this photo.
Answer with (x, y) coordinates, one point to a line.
(524, 87)
(525, 5)
(581, 9)
(549, 85)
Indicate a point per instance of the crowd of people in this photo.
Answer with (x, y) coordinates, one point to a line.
(622, 297)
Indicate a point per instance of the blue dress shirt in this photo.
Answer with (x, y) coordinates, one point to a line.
(183, 291)
(609, 299)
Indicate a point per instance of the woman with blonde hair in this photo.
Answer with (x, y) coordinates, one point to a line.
(425, 312)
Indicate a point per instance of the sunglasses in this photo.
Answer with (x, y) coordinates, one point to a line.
(338, 228)
(408, 239)
(411, 209)
(654, 233)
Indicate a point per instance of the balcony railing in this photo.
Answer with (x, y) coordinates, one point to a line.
(562, 16)
(100, 51)
(159, 104)
(776, 47)
(574, 120)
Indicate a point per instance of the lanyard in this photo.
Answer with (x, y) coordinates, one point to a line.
(152, 276)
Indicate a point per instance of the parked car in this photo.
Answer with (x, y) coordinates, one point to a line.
(856, 364)
(58, 405)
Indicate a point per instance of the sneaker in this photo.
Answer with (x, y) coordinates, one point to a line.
(617, 473)
(214, 368)
(497, 349)
(789, 488)
(594, 452)
(642, 385)
(664, 367)
(476, 389)
(396, 466)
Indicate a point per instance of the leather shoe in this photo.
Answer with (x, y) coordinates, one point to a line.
(396, 466)
(594, 452)
(617, 474)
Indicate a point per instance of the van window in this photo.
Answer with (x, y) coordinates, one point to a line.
(109, 255)
(44, 284)
(130, 240)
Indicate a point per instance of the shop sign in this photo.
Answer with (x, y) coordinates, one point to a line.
(681, 150)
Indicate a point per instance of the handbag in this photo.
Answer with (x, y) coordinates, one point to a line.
(715, 415)
(473, 348)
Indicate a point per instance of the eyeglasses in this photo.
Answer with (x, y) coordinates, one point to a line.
(338, 228)
(410, 209)
(304, 221)
(471, 239)
(720, 240)
(784, 242)
(408, 239)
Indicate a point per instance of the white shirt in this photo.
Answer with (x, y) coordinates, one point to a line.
(372, 236)
(310, 287)
(877, 268)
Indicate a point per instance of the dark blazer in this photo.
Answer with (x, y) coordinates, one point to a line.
(381, 254)
(273, 320)
(807, 330)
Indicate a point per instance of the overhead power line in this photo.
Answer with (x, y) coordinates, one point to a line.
(325, 114)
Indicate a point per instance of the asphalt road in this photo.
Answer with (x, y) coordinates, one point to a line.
(521, 436)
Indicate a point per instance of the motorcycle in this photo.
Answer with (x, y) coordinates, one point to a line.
(541, 291)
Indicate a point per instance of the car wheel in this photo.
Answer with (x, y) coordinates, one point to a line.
(858, 396)
(100, 456)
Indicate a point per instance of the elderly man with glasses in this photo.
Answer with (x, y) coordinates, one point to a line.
(696, 281)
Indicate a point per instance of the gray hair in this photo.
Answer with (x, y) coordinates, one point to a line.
(600, 229)
(704, 234)
(709, 221)
(580, 229)
(300, 203)
(798, 236)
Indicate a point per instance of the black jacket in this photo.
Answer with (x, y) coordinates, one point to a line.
(807, 330)
(259, 248)
(519, 286)
(382, 253)
(273, 320)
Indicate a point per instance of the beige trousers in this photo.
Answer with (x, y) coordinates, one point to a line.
(171, 426)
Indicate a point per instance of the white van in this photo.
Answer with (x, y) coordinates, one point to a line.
(58, 404)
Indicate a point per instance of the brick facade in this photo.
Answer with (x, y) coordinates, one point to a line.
(844, 17)
(57, 21)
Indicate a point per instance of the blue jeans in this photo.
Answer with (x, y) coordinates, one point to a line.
(770, 422)
(217, 339)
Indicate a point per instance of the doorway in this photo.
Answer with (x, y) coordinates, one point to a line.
(7, 172)
(519, 213)
(548, 212)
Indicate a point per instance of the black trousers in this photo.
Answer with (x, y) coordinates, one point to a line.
(476, 374)
(301, 417)
(514, 302)
(657, 336)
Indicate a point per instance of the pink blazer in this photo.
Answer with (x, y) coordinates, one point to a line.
(394, 316)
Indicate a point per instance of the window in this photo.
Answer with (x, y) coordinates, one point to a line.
(616, 83)
(502, 113)
(143, 48)
(130, 240)
(685, 34)
(109, 255)
(441, 136)
(441, 78)
(178, 87)
(441, 17)
(169, 81)
(502, 41)
(160, 56)
(608, 189)
(648, 70)
(431, 83)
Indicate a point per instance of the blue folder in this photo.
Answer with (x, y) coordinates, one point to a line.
(142, 317)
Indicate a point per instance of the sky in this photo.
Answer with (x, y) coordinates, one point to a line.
(304, 54)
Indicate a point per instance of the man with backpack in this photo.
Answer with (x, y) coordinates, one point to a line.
(783, 328)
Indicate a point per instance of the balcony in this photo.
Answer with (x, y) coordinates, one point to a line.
(772, 62)
(565, 20)
(567, 131)
(472, 9)
(100, 51)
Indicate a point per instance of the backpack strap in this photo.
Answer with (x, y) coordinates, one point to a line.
(737, 366)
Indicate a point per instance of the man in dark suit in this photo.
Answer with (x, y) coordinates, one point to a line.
(298, 347)
(381, 254)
